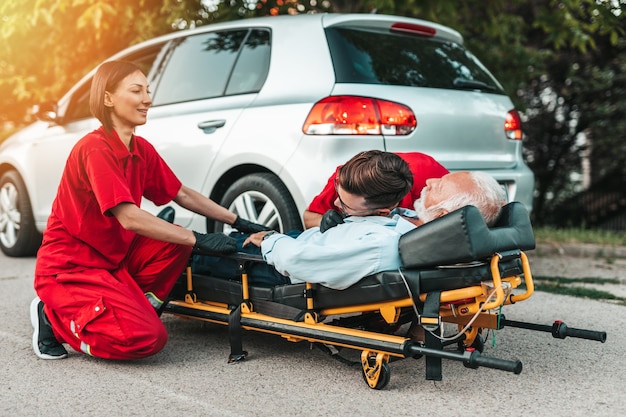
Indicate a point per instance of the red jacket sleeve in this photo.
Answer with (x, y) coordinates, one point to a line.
(325, 200)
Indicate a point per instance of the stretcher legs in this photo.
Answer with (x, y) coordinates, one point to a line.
(376, 370)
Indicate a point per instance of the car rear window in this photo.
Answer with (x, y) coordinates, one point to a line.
(382, 57)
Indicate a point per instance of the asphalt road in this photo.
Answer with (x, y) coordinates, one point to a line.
(190, 377)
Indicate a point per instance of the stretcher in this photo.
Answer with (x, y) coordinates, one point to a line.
(456, 273)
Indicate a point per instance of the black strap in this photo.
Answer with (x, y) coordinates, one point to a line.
(431, 313)
(163, 306)
(278, 310)
(234, 336)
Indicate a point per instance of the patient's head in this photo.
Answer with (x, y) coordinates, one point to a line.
(458, 189)
(372, 182)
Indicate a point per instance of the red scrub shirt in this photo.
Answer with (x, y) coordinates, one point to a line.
(101, 173)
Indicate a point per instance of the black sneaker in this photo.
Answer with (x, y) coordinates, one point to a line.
(45, 345)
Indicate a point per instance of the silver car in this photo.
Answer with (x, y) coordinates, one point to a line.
(258, 113)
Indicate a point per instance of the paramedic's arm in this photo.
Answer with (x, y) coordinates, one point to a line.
(321, 203)
(311, 219)
(196, 202)
(145, 224)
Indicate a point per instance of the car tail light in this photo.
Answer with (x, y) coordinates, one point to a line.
(353, 115)
(414, 29)
(513, 125)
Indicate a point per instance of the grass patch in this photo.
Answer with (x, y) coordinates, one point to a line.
(567, 286)
(600, 237)
(586, 280)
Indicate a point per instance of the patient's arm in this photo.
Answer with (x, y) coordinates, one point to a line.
(331, 259)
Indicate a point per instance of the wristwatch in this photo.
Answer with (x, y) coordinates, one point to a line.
(268, 234)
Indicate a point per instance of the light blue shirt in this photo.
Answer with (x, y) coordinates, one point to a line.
(342, 255)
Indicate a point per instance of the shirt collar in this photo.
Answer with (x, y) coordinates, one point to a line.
(117, 145)
(394, 220)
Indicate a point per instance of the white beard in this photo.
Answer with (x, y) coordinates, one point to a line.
(423, 213)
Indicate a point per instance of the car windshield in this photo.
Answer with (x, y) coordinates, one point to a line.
(376, 57)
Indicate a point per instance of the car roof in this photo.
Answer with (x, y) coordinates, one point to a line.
(373, 21)
(358, 20)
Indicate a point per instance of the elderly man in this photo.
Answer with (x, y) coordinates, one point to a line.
(369, 188)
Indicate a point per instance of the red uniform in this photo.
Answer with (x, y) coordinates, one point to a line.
(93, 275)
(421, 165)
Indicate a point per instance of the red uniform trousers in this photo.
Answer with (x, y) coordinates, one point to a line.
(106, 313)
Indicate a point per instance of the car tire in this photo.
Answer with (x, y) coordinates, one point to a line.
(18, 234)
(260, 198)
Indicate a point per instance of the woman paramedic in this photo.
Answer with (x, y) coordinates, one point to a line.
(105, 265)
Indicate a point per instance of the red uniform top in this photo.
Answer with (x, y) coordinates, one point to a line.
(99, 174)
(421, 165)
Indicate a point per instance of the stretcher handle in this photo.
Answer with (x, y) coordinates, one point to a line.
(561, 331)
(476, 359)
(471, 358)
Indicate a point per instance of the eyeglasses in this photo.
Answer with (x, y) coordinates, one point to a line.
(345, 208)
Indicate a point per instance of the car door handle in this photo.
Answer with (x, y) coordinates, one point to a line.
(210, 126)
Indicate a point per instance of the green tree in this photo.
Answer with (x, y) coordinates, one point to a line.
(561, 61)
(47, 45)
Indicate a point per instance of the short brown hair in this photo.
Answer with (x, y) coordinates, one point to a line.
(107, 78)
(382, 178)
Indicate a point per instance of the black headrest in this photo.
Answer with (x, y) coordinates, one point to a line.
(463, 236)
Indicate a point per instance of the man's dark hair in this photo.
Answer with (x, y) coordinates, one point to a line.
(382, 178)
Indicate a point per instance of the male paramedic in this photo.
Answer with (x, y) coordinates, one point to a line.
(322, 211)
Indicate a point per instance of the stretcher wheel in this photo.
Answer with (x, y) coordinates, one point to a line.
(375, 370)
(479, 343)
(473, 338)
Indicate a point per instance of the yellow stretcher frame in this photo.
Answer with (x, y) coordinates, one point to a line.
(376, 348)
(472, 308)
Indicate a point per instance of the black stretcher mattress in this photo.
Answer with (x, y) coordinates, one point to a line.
(448, 253)
(381, 287)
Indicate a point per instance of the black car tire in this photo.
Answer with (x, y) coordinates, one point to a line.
(18, 234)
(260, 198)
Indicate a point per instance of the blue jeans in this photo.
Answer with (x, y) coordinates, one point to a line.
(259, 273)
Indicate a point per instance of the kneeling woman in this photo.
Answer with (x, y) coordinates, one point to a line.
(105, 265)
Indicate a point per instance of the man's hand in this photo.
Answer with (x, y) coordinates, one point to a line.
(215, 242)
(245, 226)
(255, 238)
(330, 219)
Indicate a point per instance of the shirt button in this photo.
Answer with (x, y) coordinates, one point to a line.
(98, 308)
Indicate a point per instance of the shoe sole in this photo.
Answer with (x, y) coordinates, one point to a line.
(34, 320)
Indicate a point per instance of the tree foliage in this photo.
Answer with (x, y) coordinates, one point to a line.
(561, 61)
(47, 45)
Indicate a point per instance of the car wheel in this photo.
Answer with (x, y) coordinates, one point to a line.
(260, 198)
(18, 234)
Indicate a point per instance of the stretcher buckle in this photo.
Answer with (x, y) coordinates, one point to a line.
(429, 323)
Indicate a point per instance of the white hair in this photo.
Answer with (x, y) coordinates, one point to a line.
(487, 195)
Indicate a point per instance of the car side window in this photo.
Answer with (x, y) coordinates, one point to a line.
(198, 67)
(78, 107)
(252, 65)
